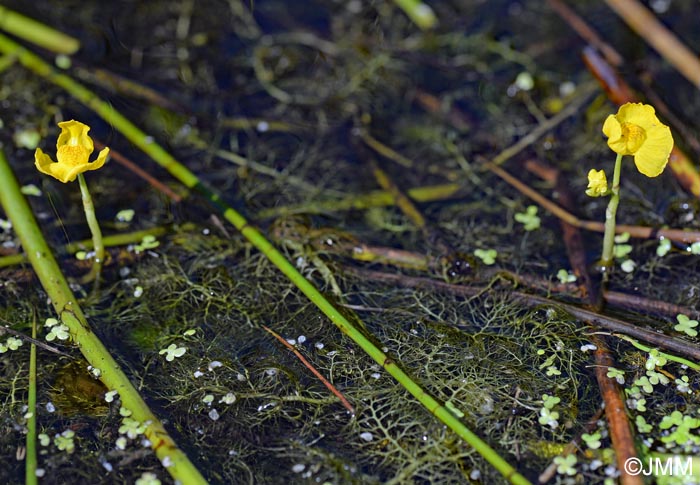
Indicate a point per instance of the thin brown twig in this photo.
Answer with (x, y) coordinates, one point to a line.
(659, 37)
(585, 31)
(157, 184)
(546, 126)
(303, 360)
(678, 235)
(434, 105)
(38, 343)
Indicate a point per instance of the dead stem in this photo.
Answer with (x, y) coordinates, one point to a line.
(315, 372)
(616, 413)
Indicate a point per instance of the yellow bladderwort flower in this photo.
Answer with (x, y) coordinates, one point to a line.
(635, 130)
(73, 150)
(597, 183)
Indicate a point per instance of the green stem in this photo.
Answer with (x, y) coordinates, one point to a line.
(120, 239)
(37, 33)
(252, 234)
(646, 348)
(610, 212)
(94, 226)
(31, 461)
(65, 304)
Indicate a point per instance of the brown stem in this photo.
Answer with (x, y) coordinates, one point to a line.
(621, 433)
(309, 366)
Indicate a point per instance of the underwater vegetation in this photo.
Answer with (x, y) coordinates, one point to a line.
(349, 242)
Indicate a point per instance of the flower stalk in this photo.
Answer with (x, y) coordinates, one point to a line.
(610, 213)
(94, 226)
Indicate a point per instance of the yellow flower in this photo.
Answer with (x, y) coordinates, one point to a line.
(597, 183)
(635, 130)
(73, 150)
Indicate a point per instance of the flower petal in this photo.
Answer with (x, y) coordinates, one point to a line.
(45, 165)
(613, 130)
(73, 171)
(635, 130)
(100, 160)
(42, 161)
(639, 114)
(75, 133)
(652, 156)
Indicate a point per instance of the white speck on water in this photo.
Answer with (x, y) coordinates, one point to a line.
(265, 406)
(229, 398)
(263, 126)
(213, 415)
(298, 468)
(366, 436)
(319, 345)
(107, 465)
(566, 88)
(214, 364)
(198, 373)
(121, 443)
(50, 407)
(301, 339)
